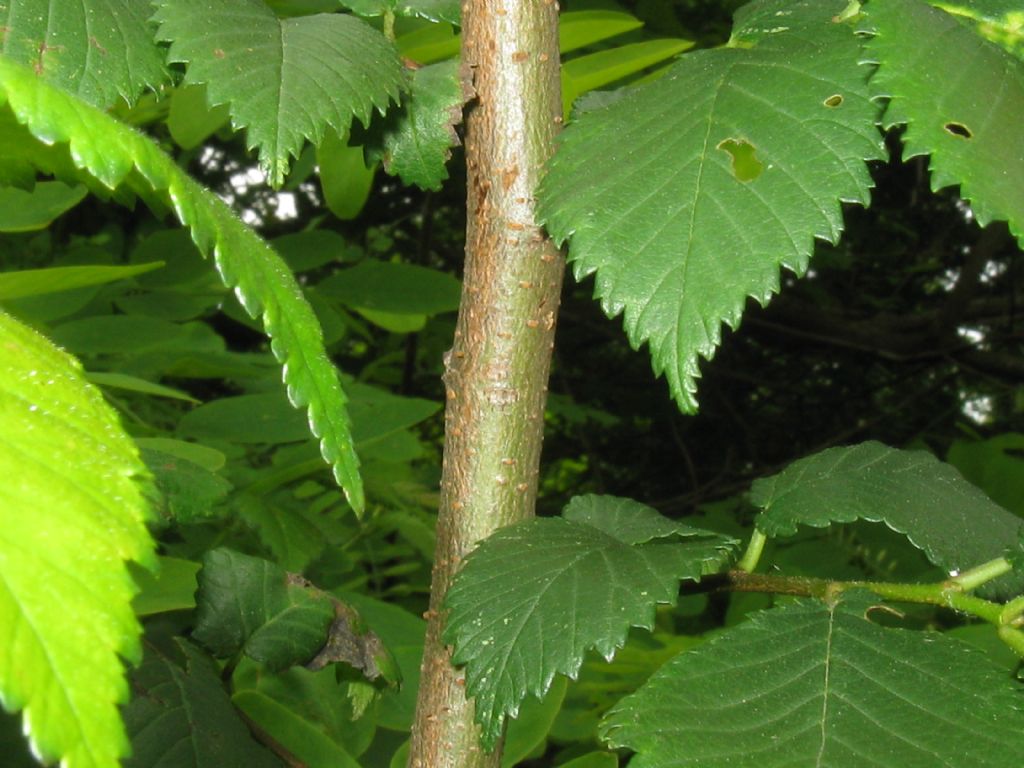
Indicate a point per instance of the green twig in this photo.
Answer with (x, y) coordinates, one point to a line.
(975, 577)
(753, 554)
(1013, 638)
(942, 594)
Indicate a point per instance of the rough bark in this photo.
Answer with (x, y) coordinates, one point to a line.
(497, 370)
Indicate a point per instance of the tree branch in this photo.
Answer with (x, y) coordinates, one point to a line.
(497, 371)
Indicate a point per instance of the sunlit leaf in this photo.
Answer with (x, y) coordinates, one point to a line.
(1001, 21)
(533, 597)
(71, 514)
(345, 178)
(114, 154)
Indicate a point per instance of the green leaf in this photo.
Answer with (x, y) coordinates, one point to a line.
(190, 119)
(387, 286)
(99, 50)
(22, 211)
(530, 728)
(314, 248)
(686, 195)
(135, 384)
(251, 605)
(433, 10)
(126, 334)
(187, 490)
(292, 538)
(593, 760)
(307, 712)
(284, 80)
(417, 139)
(429, 43)
(113, 153)
(391, 321)
(955, 524)
(533, 597)
(37, 282)
(172, 588)
(345, 178)
(181, 716)
(973, 142)
(1001, 21)
(578, 29)
(204, 456)
(266, 419)
(627, 520)
(301, 738)
(586, 73)
(816, 684)
(995, 465)
(376, 413)
(71, 514)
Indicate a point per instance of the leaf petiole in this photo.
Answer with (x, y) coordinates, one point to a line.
(975, 577)
(753, 554)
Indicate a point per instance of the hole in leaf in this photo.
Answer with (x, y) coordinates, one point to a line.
(745, 165)
(958, 129)
(834, 101)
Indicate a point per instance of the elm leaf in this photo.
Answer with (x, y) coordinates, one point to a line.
(284, 80)
(99, 50)
(953, 522)
(816, 684)
(686, 195)
(417, 139)
(972, 134)
(118, 157)
(251, 605)
(71, 515)
(534, 597)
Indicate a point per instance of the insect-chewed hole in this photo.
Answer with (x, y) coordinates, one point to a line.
(834, 100)
(745, 165)
(958, 129)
